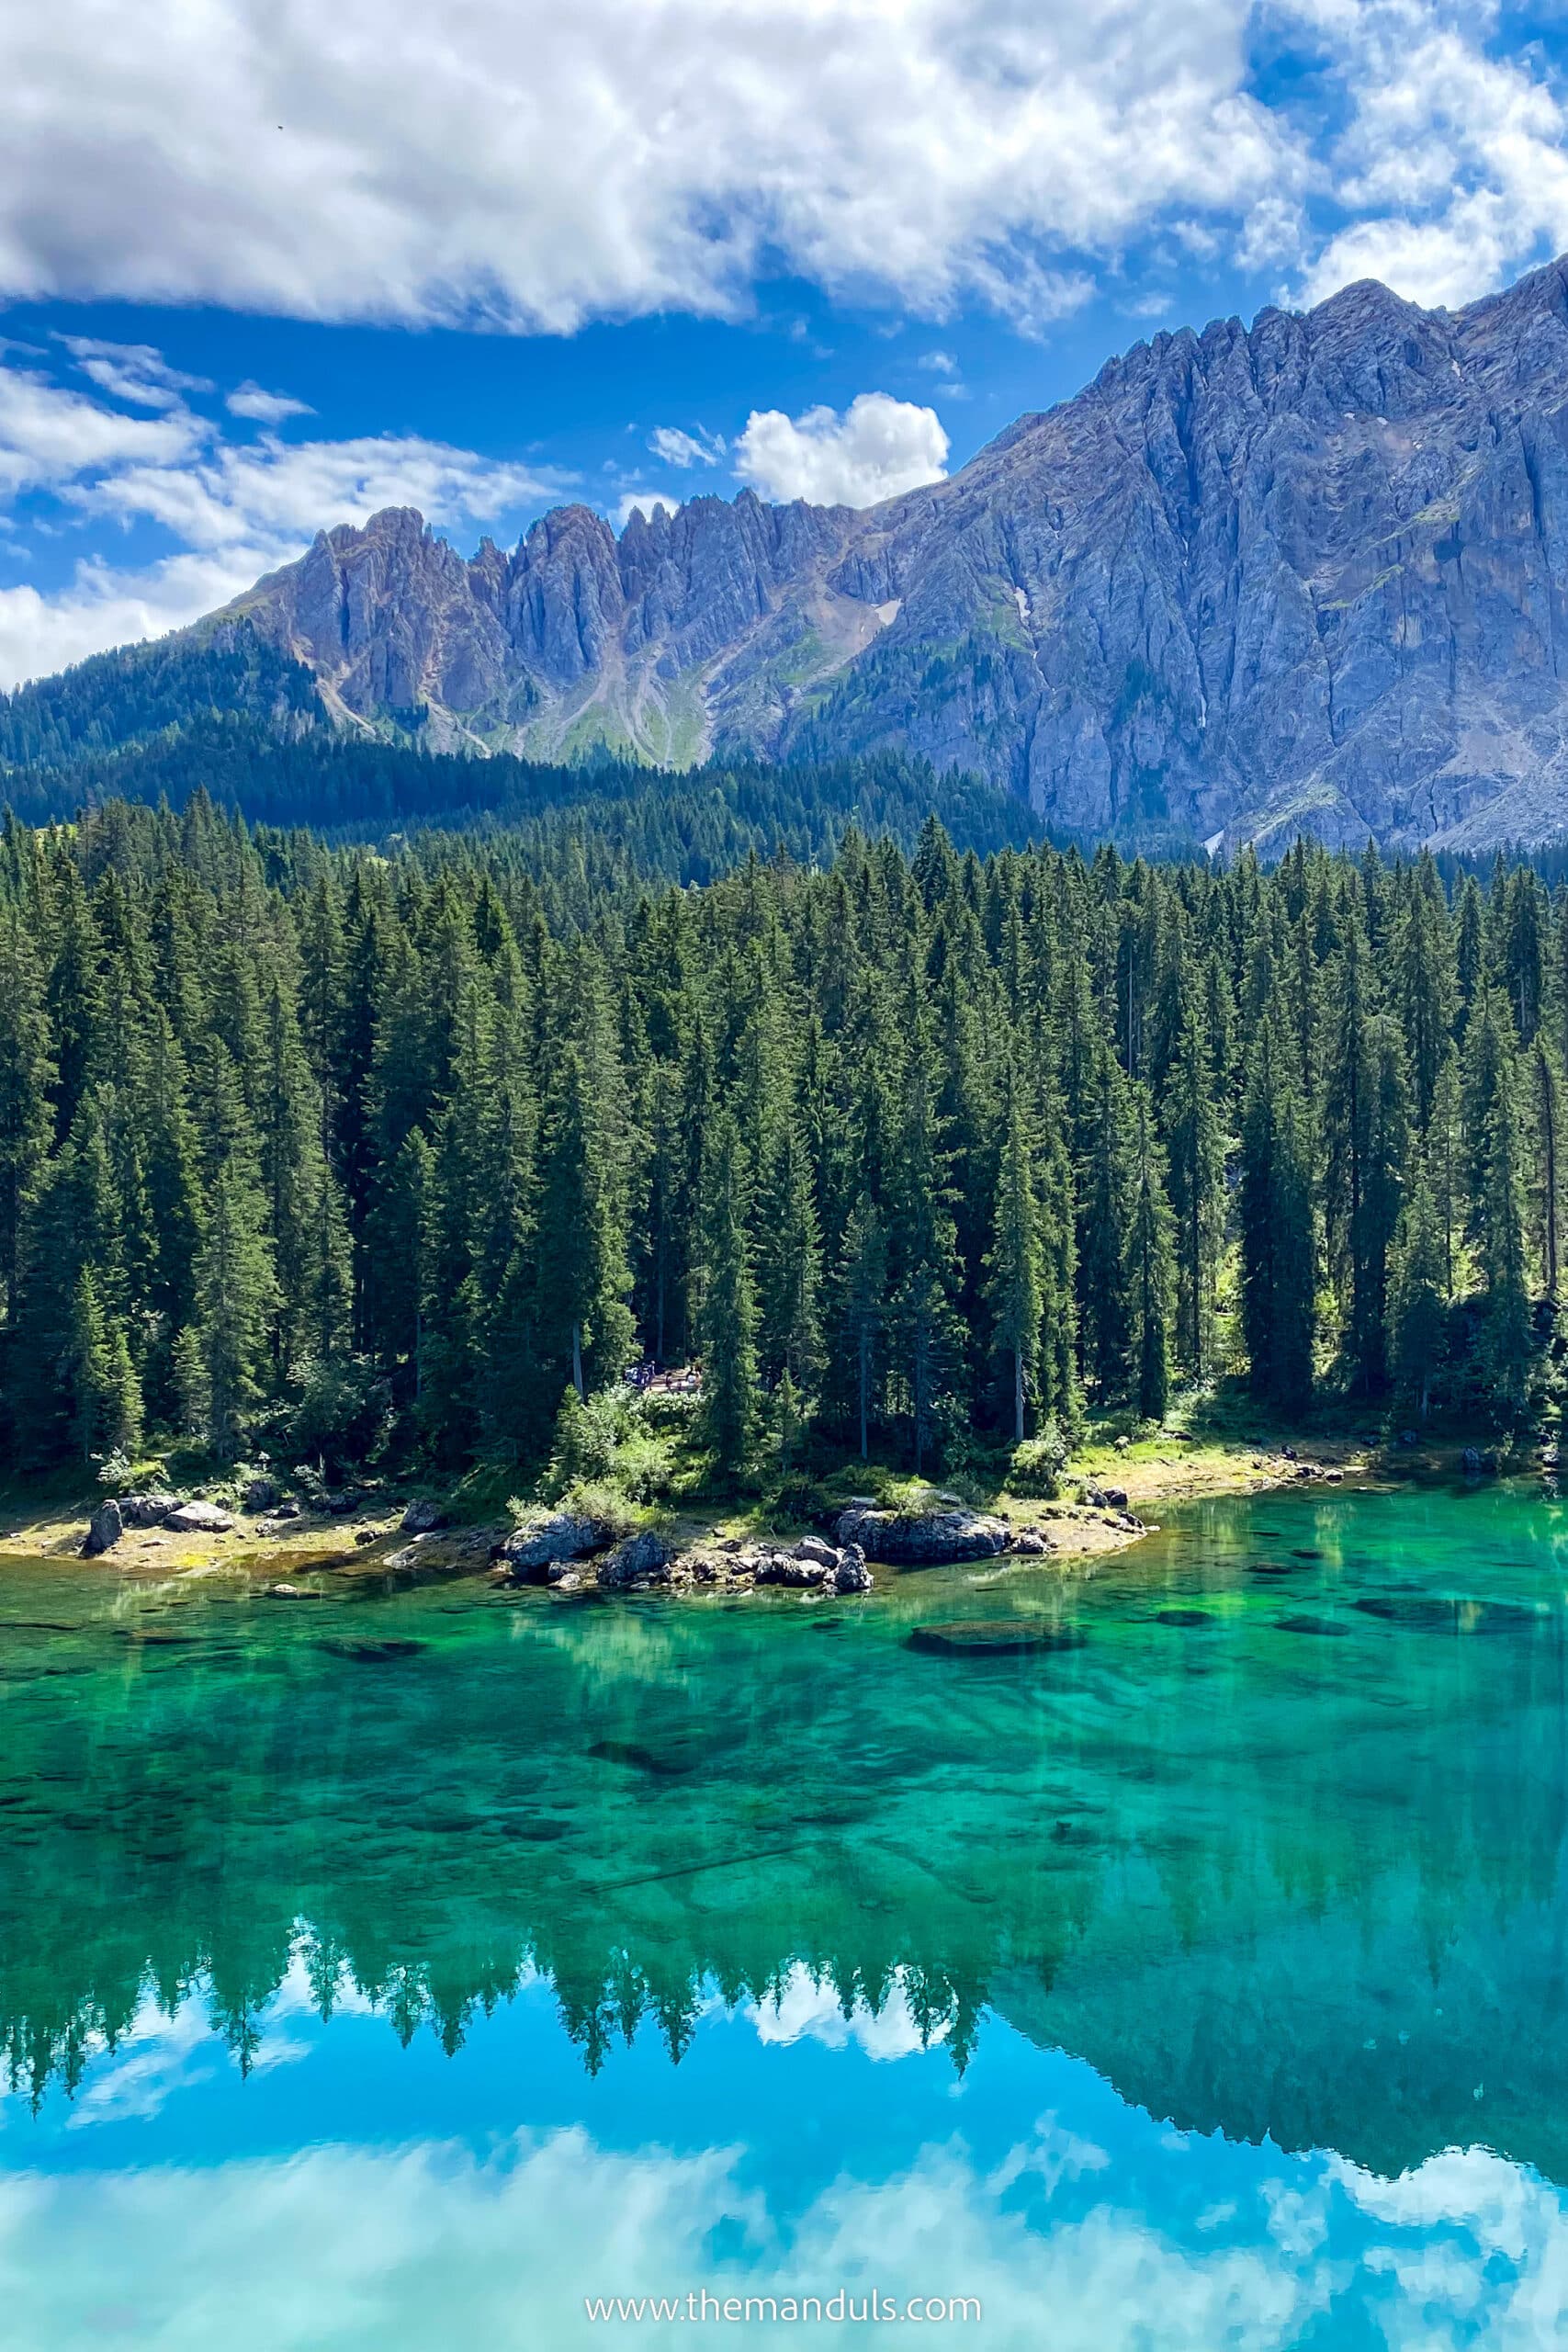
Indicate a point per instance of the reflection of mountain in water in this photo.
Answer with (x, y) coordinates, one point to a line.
(1261, 1893)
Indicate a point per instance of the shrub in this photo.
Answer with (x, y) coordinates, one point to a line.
(1038, 1463)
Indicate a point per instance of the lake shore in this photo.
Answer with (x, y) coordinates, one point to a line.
(1112, 1496)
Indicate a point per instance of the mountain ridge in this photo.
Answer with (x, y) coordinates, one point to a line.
(1307, 575)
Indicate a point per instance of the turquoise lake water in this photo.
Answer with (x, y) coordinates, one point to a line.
(395, 1971)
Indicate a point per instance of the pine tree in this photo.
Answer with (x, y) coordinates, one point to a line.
(1196, 1161)
(789, 1268)
(583, 1280)
(1015, 1271)
(1104, 1213)
(1278, 1243)
(1417, 1296)
(236, 1294)
(106, 1399)
(862, 1292)
(727, 1316)
(1150, 1267)
(26, 1117)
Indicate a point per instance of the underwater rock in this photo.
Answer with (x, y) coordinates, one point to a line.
(1308, 1625)
(994, 1637)
(1184, 1617)
(371, 1652)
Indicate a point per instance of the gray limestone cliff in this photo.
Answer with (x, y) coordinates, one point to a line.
(1312, 574)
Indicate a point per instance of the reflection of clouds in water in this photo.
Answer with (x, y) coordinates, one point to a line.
(397, 2250)
(812, 2011)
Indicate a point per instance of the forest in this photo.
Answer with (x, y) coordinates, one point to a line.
(415, 1151)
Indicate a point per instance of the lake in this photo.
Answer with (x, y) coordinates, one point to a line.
(398, 1971)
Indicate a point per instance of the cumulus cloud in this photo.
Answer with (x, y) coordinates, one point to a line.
(1455, 160)
(263, 407)
(876, 448)
(678, 447)
(613, 158)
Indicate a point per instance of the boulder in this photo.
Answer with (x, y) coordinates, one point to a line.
(1116, 1497)
(198, 1519)
(422, 1517)
(104, 1529)
(147, 1511)
(811, 1547)
(259, 1494)
(529, 1553)
(641, 1560)
(1030, 1539)
(923, 1538)
(788, 1568)
(852, 1575)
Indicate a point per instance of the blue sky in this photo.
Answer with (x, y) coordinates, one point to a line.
(262, 269)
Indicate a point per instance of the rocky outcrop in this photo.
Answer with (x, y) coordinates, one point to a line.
(919, 1539)
(422, 1517)
(150, 1510)
(631, 1566)
(1311, 573)
(531, 1554)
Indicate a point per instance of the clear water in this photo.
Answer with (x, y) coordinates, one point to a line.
(1203, 1984)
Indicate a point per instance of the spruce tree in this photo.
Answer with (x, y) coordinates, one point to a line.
(1418, 1296)
(1150, 1267)
(1278, 1242)
(1015, 1270)
(727, 1316)
(236, 1295)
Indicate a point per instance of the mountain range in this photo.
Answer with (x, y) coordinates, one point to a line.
(1309, 575)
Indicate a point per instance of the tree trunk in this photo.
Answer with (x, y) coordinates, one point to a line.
(1018, 1395)
(577, 1362)
(864, 1386)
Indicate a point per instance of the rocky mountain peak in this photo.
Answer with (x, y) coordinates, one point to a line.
(1312, 571)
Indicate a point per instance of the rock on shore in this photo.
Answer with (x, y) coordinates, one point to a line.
(917, 1539)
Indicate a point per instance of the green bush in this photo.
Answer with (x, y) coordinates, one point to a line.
(1037, 1464)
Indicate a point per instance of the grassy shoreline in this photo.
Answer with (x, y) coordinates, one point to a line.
(48, 1520)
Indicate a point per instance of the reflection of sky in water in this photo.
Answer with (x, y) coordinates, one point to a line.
(1278, 1853)
(353, 2195)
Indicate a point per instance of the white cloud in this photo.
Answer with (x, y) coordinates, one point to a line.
(641, 501)
(133, 371)
(878, 447)
(809, 2010)
(613, 158)
(233, 510)
(938, 363)
(678, 447)
(103, 607)
(264, 407)
(49, 436)
(286, 491)
(1456, 161)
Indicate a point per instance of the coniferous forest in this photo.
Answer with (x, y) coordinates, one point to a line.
(350, 1153)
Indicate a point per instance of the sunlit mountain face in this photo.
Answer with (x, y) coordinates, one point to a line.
(491, 1952)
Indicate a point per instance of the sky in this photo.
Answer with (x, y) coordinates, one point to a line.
(265, 267)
